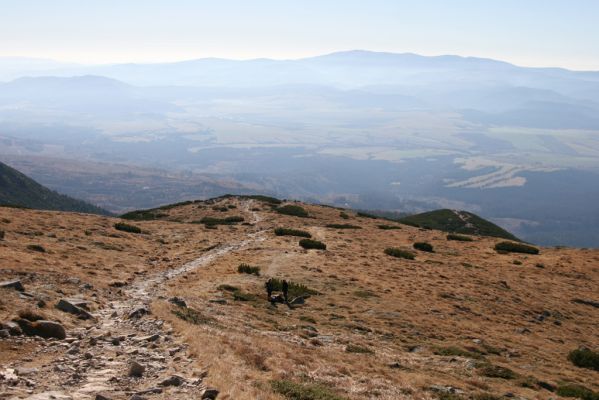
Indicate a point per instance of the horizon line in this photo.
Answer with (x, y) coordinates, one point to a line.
(183, 60)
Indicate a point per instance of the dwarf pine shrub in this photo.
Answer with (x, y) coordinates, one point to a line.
(292, 232)
(293, 210)
(121, 226)
(248, 269)
(513, 247)
(399, 253)
(459, 238)
(424, 246)
(312, 244)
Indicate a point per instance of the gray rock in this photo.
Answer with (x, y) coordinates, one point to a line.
(74, 306)
(136, 369)
(174, 380)
(12, 327)
(4, 333)
(138, 312)
(14, 284)
(178, 301)
(101, 397)
(45, 329)
(298, 301)
(210, 394)
(218, 301)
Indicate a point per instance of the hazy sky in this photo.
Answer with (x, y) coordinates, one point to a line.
(526, 32)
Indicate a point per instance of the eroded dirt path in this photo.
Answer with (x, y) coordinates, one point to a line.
(97, 360)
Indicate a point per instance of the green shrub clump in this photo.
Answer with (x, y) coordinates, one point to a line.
(459, 238)
(579, 391)
(496, 371)
(424, 246)
(192, 316)
(290, 209)
(248, 269)
(292, 232)
(294, 289)
(299, 391)
(343, 226)
(399, 253)
(585, 358)
(212, 221)
(513, 247)
(312, 244)
(388, 227)
(121, 226)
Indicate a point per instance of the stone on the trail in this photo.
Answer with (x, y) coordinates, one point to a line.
(297, 301)
(117, 284)
(101, 397)
(12, 327)
(137, 397)
(74, 306)
(9, 376)
(136, 369)
(138, 312)
(4, 333)
(445, 389)
(174, 380)
(14, 284)
(42, 328)
(178, 301)
(210, 394)
(149, 338)
(218, 301)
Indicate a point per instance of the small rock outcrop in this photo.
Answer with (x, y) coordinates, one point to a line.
(74, 306)
(13, 284)
(136, 369)
(42, 328)
(210, 394)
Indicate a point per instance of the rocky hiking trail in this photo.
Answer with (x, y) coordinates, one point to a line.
(126, 354)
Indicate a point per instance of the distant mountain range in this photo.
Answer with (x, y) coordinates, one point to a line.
(18, 190)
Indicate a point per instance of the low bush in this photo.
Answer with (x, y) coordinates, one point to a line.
(227, 288)
(513, 247)
(301, 391)
(366, 215)
(388, 227)
(585, 358)
(293, 210)
(292, 232)
(121, 226)
(344, 215)
(496, 371)
(343, 226)
(399, 253)
(265, 199)
(424, 246)
(459, 238)
(36, 247)
(192, 316)
(240, 296)
(248, 269)
(295, 289)
(353, 348)
(212, 221)
(1, 235)
(579, 391)
(312, 244)
(453, 351)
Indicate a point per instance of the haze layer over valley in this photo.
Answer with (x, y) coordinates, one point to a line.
(358, 129)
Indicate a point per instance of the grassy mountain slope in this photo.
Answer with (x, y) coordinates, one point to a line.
(16, 189)
(461, 323)
(457, 221)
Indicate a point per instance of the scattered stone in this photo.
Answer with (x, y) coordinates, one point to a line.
(117, 284)
(12, 327)
(174, 380)
(74, 306)
(4, 333)
(210, 394)
(218, 301)
(136, 369)
(298, 301)
(138, 312)
(42, 328)
(101, 397)
(14, 284)
(445, 389)
(150, 338)
(178, 301)
(137, 397)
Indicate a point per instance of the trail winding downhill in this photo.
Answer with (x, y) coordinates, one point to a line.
(98, 359)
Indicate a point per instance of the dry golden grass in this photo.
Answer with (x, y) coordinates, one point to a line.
(464, 295)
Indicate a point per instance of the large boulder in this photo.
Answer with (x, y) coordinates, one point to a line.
(13, 284)
(74, 306)
(42, 328)
(12, 327)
